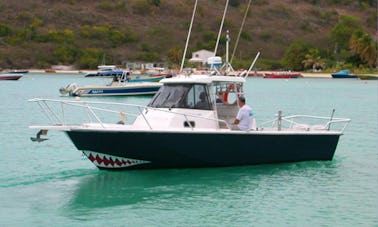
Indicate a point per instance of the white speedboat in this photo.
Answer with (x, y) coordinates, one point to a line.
(119, 86)
(172, 132)
(106, 70)
(10, 76)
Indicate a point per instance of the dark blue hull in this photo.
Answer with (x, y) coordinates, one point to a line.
(192, 149)
(122, 91)
(341, 76)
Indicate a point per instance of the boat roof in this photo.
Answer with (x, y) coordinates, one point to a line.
(200, 78)
(106, 66)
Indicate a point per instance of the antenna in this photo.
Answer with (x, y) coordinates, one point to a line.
(187, 39)
(227, 66)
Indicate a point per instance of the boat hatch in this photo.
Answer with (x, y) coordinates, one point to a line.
(189, 124)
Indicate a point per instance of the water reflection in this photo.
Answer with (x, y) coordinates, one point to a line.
(110, 189)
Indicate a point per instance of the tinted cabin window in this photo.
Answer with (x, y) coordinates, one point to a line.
(189, 96)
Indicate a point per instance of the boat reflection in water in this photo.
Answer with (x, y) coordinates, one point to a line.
(178, 187)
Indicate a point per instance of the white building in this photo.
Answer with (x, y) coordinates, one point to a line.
(201, 56)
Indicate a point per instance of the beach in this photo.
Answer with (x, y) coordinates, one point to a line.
(84, 71)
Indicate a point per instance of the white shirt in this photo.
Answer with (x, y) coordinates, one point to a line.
(245, 118)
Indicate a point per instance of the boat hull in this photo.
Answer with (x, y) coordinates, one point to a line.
(282, 75)
(367, 77)
(10, 77)
(341, 76)
(116, 90)
(146, 150)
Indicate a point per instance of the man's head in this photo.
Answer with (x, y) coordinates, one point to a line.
(202, 96)
(241, 101)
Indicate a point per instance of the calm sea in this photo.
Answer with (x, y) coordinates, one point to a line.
(52, 184)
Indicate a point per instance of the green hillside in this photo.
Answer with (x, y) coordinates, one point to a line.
(41, 33)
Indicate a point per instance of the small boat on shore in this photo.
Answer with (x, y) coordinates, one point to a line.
(106, 70)
(282, 75)
(18, 71)
(367, 77)
(119, 86)
(50, 71)
(10, 76)
(344, 74)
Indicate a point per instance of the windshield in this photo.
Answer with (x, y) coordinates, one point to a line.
(190, 96)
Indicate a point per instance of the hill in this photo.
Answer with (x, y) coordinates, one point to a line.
(41, 33)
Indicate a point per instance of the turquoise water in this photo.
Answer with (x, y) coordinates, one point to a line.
(51, 183)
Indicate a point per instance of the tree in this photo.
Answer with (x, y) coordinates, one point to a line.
(313, 60)
(175, 55)
(343, 30)
(295, 54)
(5, 30)
(234, 3)
(90, 58)
(154, 2)
(361, 44)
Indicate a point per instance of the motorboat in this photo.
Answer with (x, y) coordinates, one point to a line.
(367, 77)
(10, 76)
(120, 85)
(282, 75)
(106, 70)
(18, 71)
(148, 77)
(343, 74)
(172, 132)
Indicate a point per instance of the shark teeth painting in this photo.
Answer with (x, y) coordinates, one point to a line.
(110, 161)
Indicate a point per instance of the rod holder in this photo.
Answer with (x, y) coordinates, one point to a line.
(279, 120)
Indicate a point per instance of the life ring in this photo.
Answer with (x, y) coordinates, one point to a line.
(230, 87)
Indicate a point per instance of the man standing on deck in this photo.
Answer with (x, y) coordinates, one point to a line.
(244, 118)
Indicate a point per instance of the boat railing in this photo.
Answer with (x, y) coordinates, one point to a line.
(312, 123)
(72, 112)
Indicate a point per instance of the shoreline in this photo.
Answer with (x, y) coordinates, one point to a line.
(304, 74)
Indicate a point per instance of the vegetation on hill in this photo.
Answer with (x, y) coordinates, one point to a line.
(291, 34)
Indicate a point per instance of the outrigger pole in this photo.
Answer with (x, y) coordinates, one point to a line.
(253, 63)
(187, 39)
(241, 28)
(220, 29)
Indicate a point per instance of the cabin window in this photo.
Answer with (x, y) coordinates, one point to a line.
(189, 96)
(227, 92)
